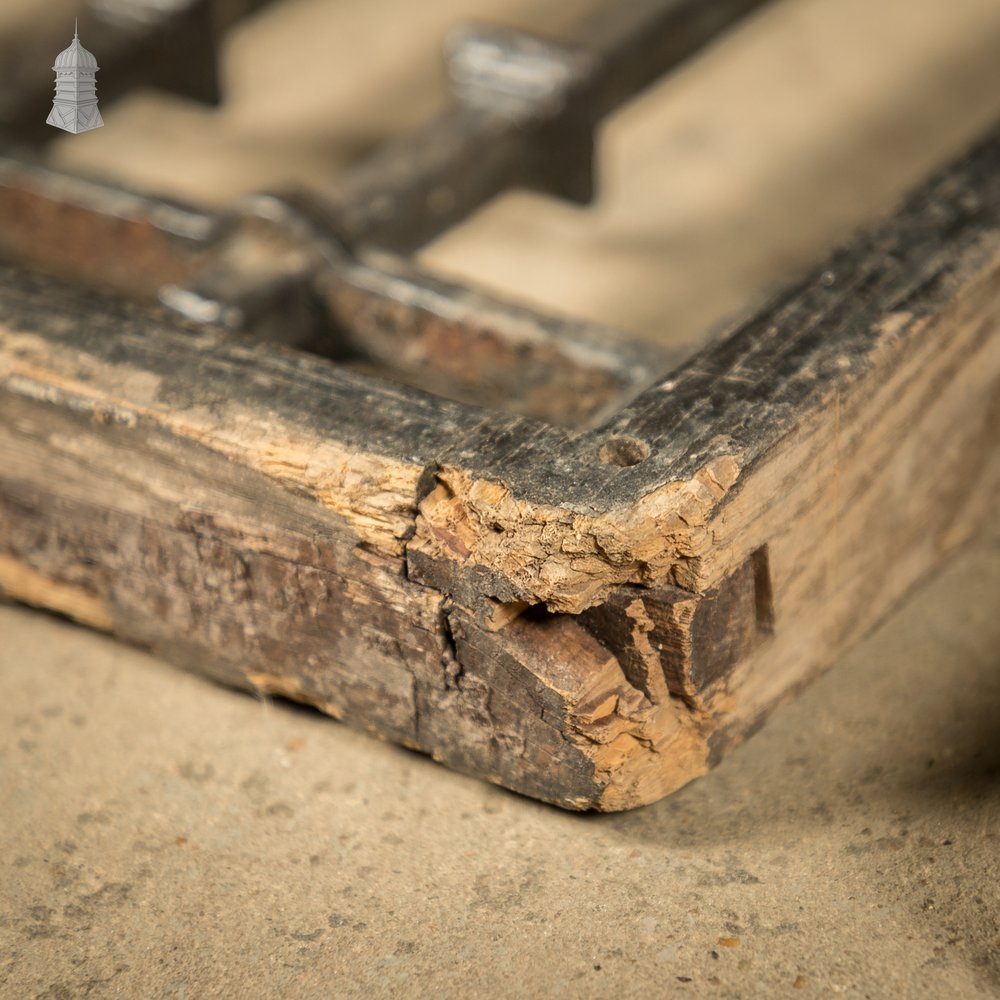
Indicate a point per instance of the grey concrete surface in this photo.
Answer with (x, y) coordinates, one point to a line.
(163, 837)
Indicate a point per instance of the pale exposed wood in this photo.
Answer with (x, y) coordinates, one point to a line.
(32, 587)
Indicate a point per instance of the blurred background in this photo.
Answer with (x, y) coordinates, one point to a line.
(718, 185)
(161, 837)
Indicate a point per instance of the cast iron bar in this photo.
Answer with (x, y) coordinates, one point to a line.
(534, 128)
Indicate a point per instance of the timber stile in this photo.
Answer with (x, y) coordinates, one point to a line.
(267, 445)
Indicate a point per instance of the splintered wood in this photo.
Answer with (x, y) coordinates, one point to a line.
(588, 616)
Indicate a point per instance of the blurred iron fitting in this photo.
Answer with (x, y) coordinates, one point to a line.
(257, 277)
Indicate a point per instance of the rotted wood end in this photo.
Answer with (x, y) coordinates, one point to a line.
(588, 615)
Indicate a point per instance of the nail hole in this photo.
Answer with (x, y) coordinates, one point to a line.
(624, 451)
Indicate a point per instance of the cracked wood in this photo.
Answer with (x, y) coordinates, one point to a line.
(590, 617)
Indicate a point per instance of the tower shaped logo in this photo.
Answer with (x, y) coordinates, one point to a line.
(75, 107)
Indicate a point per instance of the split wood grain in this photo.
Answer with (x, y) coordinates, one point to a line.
(591, 616)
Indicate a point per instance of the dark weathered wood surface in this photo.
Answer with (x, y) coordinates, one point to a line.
(589, 617)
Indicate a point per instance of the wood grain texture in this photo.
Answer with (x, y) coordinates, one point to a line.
(587, 617)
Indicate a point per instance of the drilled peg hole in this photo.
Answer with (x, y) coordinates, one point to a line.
(624, 451)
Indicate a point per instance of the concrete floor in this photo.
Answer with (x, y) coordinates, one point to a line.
(162, 837)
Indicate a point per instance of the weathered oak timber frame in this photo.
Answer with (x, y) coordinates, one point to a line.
(585, 588)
